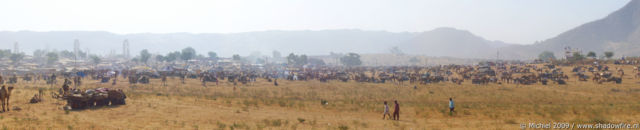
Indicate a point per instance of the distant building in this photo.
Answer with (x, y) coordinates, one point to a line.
(568, 52)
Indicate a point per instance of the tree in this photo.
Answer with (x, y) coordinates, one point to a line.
(160, 58)
(82, 54)
(144, 56)
(188, 54)
(5, 53)
(396, 51)
(135, 60)
(315, 61)
(40, 56)
(608, 54)
(259, 60)
(351, 59)
(414, 60)
(16, 58)
(52, 57)
(591, 54)
(302, 60)
(276, 55)
(546, 56)
(213, 55)
(39, 53)
(335, 56)
(236, 57)
(296, 60)
(67, 54)
(200, 56)
(95, 59)
(173, 56)
(577, 56)
(292, 59)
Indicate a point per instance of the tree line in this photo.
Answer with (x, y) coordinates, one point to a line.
(575, 56)
(186, 54)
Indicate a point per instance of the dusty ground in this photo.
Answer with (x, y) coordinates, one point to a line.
(296, 105)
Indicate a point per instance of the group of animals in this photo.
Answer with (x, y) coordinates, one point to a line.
(600, 74)
(519, 73)
(81, 99)
(76, 99)
(478, 74)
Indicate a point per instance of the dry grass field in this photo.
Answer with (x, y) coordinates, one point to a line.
(351, 105)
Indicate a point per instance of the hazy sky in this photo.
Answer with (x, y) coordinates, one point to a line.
(516, 21)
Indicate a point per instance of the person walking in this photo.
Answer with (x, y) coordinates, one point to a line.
(275, 82)
(451, 106)
(183, 77)
(164, 80)
(386, 111)
(204, 80)
(114, 81)
(396, 112)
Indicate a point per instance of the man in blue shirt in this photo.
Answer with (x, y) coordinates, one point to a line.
(451, 105)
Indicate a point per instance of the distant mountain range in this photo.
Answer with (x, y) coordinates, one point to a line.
(618, 32)
(450, 42)
(431, 43)
(299, 42)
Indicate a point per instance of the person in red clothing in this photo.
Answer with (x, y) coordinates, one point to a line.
(396, 112)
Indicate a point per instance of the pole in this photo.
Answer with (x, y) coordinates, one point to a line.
(497, 56)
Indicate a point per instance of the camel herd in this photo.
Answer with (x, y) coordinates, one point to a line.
(479, 74)
(485, 73)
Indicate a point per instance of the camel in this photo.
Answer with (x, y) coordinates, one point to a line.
(37, 97)
(596, 78)
(617, 80)
(621, 72)
(5, 93)
(117, 97)
(13, 79)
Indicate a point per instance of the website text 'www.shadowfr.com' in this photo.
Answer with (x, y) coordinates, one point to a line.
(555, 125)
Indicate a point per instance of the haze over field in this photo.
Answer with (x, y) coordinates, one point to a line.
(319, 64)
(416, 27)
